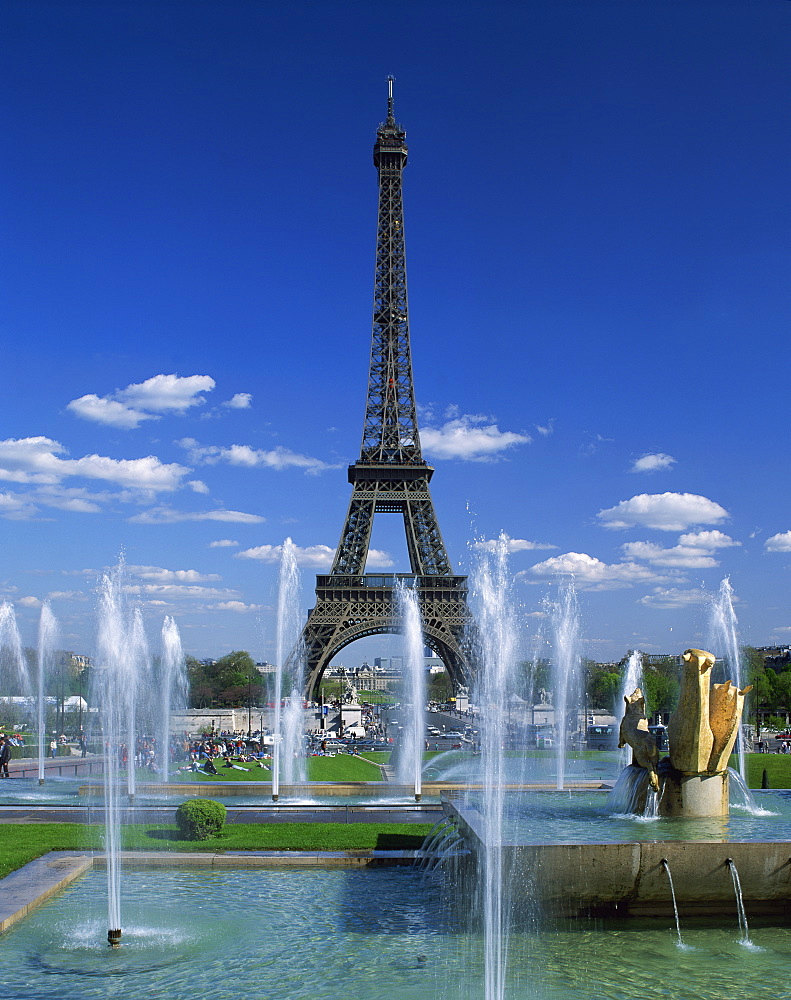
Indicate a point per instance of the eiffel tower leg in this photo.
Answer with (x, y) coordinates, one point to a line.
(356, 535)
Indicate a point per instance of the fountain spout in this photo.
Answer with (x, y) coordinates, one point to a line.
(737, 889)
(666, 866)
(114, 938)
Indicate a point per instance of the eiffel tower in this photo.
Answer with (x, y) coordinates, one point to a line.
(390, 475)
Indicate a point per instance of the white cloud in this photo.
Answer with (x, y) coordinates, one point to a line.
(708, 540)
(674, 598)
(512, 545)
(547, 429)
(590, 573)
(245, 456)
(223, 543)
(680, 556)
(314, 556)
(36, 460)
(29, 602)
(176, 591)
(779, 543)
(239, 401)
(159, 575)
(469, 437)
(102, 410)
(377, 559)
(197, 486)
(653, 463)
(239, 606)
(15, 507)
(663, 511)
(127, 408)
(67, 595)
(166, 515)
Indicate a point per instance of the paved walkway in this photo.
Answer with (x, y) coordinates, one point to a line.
(61, 767)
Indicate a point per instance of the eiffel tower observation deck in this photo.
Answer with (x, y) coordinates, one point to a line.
(391, 475)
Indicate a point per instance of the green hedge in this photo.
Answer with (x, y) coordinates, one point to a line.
(199, 819)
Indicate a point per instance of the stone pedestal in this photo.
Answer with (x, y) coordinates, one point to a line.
(693, 796)
(351, 715)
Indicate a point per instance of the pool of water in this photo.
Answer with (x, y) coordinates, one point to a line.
(66, 792)
(368, 934)
(575, 817)
(536, 766)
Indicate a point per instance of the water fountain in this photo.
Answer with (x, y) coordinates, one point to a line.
(497, 660)
(566, 667)
(723, 635)
(173, 689)
(514, 956)
(47, 642)
(410, 759)
(633, 678)
(116, 680)
(13, 668)
(287, 736)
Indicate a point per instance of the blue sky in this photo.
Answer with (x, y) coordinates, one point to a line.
(597, 219)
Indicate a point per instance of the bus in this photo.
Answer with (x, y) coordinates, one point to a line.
(602, 738)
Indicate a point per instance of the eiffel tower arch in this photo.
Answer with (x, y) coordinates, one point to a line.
(390, 475)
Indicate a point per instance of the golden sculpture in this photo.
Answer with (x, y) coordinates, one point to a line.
(634, 732)
(702, 733)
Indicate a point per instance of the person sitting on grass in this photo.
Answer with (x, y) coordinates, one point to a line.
(209, 767)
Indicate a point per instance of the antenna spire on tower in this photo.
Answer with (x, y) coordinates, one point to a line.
(390, 82)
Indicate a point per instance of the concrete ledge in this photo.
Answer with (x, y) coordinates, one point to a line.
(28, 887)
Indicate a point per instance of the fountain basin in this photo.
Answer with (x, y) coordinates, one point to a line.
(620, 878)
(315, 932)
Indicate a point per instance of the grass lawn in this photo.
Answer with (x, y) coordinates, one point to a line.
(21, 842)
(342, 767)
(777, 766)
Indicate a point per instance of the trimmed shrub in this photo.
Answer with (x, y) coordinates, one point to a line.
(199, 819)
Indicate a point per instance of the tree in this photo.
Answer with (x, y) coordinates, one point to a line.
(230, 681)
(604, 691)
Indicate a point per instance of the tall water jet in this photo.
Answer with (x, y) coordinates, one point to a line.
(115, 676)
(498, 647)
(633, 678)
(137, 680)
(47, 642)
(14, 672)
(410, 760)
(174, 689)
(724, 636)
(566, 666)
(288, 631)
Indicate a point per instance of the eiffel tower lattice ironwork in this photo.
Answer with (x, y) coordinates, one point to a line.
(390, 476)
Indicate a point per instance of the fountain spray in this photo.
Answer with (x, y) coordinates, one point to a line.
(287, 630)
(566, 660)
(492, 586)
(47, 641)
(174, 688)
(724, 635)
(115, 675)
(633, 678)
(410, 761)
